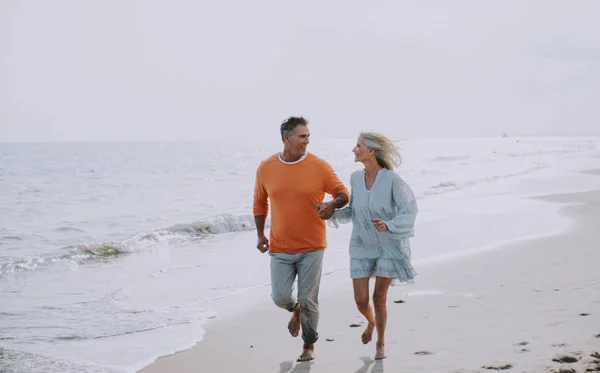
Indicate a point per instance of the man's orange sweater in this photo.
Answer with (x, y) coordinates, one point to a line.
(294, 190)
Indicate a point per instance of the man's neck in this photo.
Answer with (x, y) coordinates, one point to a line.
(288, 157)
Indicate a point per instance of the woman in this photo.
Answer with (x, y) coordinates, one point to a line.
(382, 210)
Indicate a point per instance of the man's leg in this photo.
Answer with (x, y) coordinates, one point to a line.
(309, 268)
(283, 274)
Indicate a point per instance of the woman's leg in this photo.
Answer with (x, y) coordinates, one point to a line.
(361, 297)
(382, 285)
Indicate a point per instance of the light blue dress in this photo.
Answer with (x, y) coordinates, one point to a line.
(372, 253)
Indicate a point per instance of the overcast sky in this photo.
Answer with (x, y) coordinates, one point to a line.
(73, 70)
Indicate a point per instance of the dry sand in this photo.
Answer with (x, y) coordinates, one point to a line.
(517, 308)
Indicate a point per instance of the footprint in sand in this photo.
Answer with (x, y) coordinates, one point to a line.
(399, 301)
(423, 353)
(498, 367)
(329, 339)
(355, 325)
(567, 370)
(522, 343)
(565, 359)
(597, 335)
(560, 345)
(584, 314)
(594, 366)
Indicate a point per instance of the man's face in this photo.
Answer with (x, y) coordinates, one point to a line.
(298, 140)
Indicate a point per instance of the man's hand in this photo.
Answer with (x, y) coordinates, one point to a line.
(326, 209)
(263, 244)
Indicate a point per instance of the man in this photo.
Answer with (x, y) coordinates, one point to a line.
(295, 183)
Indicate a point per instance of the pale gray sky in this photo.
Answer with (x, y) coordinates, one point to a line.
(73, 70)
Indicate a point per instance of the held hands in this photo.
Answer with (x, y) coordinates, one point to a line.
(379, 225)
(263, 244)
(326, 210)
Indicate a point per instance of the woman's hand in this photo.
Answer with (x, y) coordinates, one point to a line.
(379, 225)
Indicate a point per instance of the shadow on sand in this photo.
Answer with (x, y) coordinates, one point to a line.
(304, 367)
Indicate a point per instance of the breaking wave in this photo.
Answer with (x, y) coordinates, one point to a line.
(144, 241)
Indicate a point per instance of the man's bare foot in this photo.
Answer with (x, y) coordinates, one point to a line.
(294, 324)
(308, 352)
(367, 335)
(380, 352)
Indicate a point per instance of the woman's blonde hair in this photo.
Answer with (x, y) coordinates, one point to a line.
(386, 152)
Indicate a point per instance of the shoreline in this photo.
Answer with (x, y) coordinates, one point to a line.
(455, 305)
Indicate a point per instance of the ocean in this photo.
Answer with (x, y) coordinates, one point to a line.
(112, 254)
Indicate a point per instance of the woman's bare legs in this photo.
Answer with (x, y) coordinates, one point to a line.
(382, 285)
(361, 297)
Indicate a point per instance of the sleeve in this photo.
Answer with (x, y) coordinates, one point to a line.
(260, 205)
(405, 201)
(333, 184)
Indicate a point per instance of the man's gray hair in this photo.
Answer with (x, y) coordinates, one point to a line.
(288, 126)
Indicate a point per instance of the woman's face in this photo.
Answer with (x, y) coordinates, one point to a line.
(361, 152)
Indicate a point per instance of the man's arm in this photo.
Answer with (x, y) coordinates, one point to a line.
(336, 188)
(340, 200)
(260, 220)
(260, 209)
(263, 242)
(327, 209)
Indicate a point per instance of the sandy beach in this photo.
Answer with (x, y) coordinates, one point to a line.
(529, 306)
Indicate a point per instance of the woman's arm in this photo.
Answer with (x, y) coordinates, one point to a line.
(405, 201)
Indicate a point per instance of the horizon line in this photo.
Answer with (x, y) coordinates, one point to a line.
(84, 141)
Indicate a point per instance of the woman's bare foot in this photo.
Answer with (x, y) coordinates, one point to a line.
(294, 324)
(308, 352)
(380, 352)
(367, 335)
